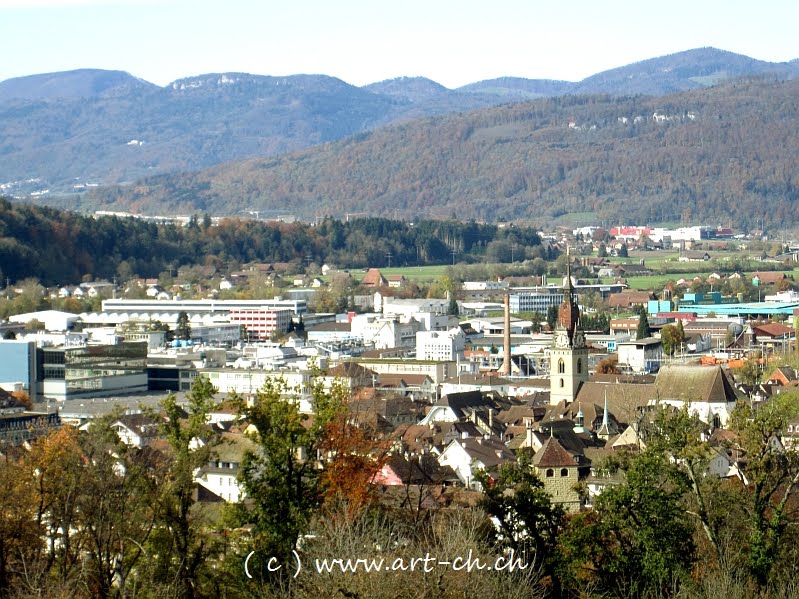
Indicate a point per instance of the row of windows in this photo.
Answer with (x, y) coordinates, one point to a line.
(562, 366)
(563, 472)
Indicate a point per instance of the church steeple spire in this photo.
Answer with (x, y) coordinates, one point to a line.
(569, 354)
(568, 312)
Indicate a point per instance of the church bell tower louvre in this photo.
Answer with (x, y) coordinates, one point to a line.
(568, 365)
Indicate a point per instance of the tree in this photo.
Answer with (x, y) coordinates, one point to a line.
(115, 507)
(643, 330)
(638, 541)
(750, 373)
(281, 477)
(608, 365)
(183, 327)
(452, 305)
(356, 454)
(187, 543)
(552, 317)
(672, 337)
(21, 532)
(772, 470)
(34, 325)
(528, 521)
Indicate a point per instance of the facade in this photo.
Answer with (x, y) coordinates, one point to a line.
(437, 371)
(435, 345)
(91, 371)
(18, 365)
(220, 476)
(261, 324)
(17, 428)
(641, 355)
(53, 320)
(539, 300)
(384, 332)
(201, 307)
(558, 469)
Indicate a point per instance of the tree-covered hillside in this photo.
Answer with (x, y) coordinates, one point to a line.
(61, 247)
(723, 155)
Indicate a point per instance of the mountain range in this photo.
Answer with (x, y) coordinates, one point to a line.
(71, 132)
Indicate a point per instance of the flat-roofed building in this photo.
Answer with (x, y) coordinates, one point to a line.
(262, 324)
(203, 306)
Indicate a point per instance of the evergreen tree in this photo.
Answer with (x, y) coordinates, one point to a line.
(643, 330)
(281, 477)
(183, 327)
(552, 317)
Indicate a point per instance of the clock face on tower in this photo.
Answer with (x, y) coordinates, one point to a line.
(562, 340)
(579, 339)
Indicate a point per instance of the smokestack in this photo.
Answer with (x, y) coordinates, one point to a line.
(506, 345)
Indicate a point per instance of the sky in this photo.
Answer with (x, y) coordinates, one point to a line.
(453, 42)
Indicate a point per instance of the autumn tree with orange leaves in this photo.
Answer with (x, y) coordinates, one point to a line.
(355, 453)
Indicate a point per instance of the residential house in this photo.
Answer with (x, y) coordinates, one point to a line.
(468, 456)
(220, 475)
(136, 430)
(705, 390)
(457, 406)
(374, 278)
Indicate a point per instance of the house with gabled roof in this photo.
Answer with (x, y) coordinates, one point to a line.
(467, 456)
(706, 390)
(374, 278)
(220, 475)
(457, 406)
(136, 430)
(783, 375)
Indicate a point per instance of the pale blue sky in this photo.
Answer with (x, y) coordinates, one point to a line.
(453, 42)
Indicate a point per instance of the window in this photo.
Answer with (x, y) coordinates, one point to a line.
(561, 366)
(579, 366)
(561, 383)
(564, 472)
(550, 473)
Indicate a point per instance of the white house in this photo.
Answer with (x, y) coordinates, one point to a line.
(467, 456)
(220, 475)
(705, 390)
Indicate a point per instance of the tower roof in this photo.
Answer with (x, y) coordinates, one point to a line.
(568, 312)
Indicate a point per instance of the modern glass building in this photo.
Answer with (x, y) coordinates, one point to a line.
(92, 370)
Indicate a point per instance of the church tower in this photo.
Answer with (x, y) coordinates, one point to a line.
(568, 362)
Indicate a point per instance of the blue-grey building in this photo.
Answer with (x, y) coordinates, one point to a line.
(18, 364)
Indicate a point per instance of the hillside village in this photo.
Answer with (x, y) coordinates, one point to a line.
(442, 377)
(452, 390)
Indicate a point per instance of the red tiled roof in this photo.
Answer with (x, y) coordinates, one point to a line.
(553, 455)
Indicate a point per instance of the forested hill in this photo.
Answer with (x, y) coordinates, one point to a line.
(60, 247)
(76, 129)
(721, 155)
